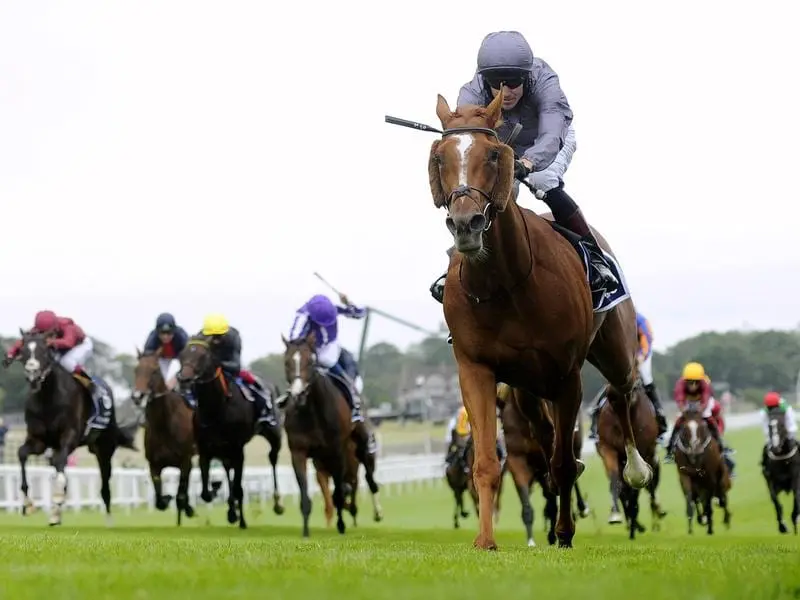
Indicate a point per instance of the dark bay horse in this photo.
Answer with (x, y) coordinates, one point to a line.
(317, 419)
(780, 465)
(520, 309)
(56, 414)
(611, 449)
(702, 471)
(224, 422)
(168, 430)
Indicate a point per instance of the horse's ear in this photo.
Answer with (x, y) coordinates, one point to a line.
(494, 112)
(505, 178)
(21, 333)
(435, 176)
(443, 110)
(311, 340)
(285, 341)
(138, 353)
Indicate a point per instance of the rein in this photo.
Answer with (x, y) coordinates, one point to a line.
(781, 457)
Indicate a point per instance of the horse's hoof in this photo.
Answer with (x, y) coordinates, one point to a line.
(456, 525)
(242, 525)
(614, 518)
(278, 509)
(378, 517)
(206, 496)
(484, 543)
(551, 538)
(564, 543)
(340, 526)
(782, 528)
(531, 543)
(464, 514)
(232, 518)
(585, 512)
(188, 511)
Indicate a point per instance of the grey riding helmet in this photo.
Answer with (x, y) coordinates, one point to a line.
(165, 323)
(505, 57)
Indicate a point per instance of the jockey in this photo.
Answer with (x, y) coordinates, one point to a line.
(533, 97)
(74, 349)
(694, 385)
(458, 428)
(644, 356)
(320, 315)
(226, 346)
(170, 340)
(773, 402)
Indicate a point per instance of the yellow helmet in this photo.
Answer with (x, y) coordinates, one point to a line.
(215, 324)
(694, 371)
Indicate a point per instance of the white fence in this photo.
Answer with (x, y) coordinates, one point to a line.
(132, 487)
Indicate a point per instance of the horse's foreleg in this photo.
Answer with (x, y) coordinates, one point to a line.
(686, 486)
(161, 501)
(274, 450)
(299, 460)
(25, 450)
(610, 459)
(237, 489)
(709, 513)
(522, 476)
(778, 508)
(368, 460)
(478, 389)
(796, 494)
(59, 490)
(637, 473)
(564, 467)
(182, 498)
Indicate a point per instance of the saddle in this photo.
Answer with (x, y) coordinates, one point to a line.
(344, 386)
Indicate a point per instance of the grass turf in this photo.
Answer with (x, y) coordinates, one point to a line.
(414, 553)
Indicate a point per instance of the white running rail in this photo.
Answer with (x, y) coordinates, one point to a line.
(131, 488)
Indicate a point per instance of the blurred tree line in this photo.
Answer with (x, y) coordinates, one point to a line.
(751, 363)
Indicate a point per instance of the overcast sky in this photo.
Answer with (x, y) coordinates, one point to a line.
(194, 156)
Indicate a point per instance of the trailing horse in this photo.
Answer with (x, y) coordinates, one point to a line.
(780, 465)
(168, 430)
(702, 471)
(611, 449)
(520, 309)
(317, 419)
(57, 412)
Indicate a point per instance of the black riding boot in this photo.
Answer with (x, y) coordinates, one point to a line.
(595, 416)
(670, 455)
(437, 289)
(567, 214)
(652, 393)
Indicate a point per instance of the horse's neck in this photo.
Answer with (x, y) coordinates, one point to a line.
(509, 261)
(210, 396)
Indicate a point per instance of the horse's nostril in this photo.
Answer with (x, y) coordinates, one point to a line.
(477, 223)
(450, 224)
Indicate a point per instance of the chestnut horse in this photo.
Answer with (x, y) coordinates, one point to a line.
(519, 306)
(168, 430)
(702, 470)
(611, 450)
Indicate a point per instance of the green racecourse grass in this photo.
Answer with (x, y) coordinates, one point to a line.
(414, 553)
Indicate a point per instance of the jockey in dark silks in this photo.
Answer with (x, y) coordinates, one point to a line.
(169, 340)
(226, 345)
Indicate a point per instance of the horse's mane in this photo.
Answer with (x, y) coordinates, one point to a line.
(471, 115)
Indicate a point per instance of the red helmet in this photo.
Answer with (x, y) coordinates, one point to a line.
(45, 320)
(772, 399)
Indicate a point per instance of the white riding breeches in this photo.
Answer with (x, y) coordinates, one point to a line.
(169, 368)
(77, 356)
(328, 354)
(646, 370)
(553, 175)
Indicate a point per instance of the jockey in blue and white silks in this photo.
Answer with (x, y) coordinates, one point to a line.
(320, 315)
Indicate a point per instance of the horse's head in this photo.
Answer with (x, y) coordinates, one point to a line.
(197, 362)
(471, 172)
(780, 443)
(695, 434)
(299, 362)
(37, 359)
(147, 379)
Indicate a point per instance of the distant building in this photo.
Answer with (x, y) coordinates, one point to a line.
(431, 396)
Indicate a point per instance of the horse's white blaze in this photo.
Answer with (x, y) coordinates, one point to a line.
(463, 146)
(773, 429)
(297, 383)
(637, 472)
(32, 364)
(693, 433)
